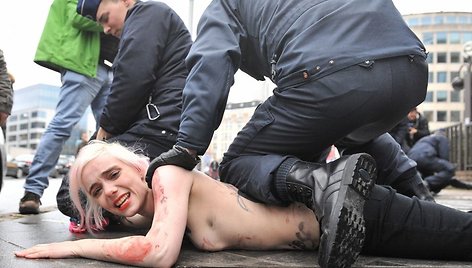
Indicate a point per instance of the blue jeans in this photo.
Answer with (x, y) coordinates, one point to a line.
(76, 94)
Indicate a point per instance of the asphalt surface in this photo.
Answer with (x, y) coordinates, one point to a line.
(18, 232)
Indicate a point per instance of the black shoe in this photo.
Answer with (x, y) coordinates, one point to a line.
(456, 183)
(423, 192)
(336, 192)
(415, 186)
(29, 204)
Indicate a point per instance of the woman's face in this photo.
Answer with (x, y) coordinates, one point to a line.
(111, 15)
(115, 186)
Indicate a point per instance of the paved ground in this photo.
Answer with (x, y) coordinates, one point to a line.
(18, 232)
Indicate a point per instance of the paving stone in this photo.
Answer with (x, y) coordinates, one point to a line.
(18, 232)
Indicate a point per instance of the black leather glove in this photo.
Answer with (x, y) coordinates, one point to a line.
(177, 156)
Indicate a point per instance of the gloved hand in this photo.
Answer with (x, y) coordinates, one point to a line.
(177, 156)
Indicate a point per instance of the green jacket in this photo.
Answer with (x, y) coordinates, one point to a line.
(69, 41)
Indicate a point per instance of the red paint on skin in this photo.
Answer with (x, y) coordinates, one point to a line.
(134, 250)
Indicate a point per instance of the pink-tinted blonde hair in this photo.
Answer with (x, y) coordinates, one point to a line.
(92, 214)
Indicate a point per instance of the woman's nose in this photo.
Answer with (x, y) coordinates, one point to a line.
(109, 189)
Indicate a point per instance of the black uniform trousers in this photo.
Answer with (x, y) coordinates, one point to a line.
(351, 108)
(437, 172)
(399, 226)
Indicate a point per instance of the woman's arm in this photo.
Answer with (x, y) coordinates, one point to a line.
(113, 250)
(160, 247)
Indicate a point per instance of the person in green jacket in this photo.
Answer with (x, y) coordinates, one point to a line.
(75, 47)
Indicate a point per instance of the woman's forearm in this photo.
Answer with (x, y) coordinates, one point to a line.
(134, 250)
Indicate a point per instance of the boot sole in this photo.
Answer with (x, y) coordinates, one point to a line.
(29, 211)
(342, 245)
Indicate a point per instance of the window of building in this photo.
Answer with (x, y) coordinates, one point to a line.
(38, 125)
(24, 116)
(426, 20)
(23, 126)
(13, 118)
(454, 38)
(33, 146)
(429, 115)
(441, 77)
(456, 116)
(466, 36)
(12, 128)
(441, 96)
(23, 137)
(12, 138)
(430, 77)
(429, 96)
(428, 38)
(455, 96)
(413, 21)
(463, 19)
(40, 114)
(442, 57)
(35, 135)
(430, 57)
(451, 19)
(441, 116)
(438, 20)
(441, 38)
(455, 57)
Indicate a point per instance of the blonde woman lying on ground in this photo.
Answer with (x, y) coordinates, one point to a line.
(218, 218)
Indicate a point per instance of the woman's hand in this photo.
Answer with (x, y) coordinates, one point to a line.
(60, 250)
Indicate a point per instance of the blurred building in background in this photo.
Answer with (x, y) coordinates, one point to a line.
(444, 35)
(33, 109)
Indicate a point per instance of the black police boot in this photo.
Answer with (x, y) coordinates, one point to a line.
(336, 192)
(456, 183)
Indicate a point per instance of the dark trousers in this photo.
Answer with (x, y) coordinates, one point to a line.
(399, 226)
(351, 107)
(436, 172)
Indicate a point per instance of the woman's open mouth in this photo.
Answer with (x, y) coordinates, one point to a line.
(123, 201)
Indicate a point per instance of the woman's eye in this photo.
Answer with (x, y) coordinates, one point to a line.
(96, 191)
(114, 175)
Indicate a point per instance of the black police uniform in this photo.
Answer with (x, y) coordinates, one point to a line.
(149, 75)
(431, 153)
(346, 72)
(342, 78)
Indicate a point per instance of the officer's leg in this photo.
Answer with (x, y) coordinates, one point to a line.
(334, 191)
(399, 226)
(304, 121)
(444, 171)
(394, 167)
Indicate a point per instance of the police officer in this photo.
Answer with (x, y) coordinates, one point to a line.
(431, 153)
(342, 78)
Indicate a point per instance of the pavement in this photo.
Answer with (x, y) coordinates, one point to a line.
(20, 231)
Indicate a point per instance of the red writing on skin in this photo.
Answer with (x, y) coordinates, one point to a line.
(131, 251)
